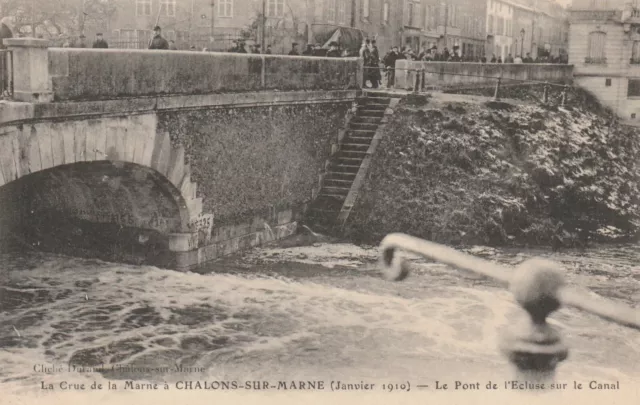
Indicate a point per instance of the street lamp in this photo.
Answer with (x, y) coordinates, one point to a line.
(521, 42)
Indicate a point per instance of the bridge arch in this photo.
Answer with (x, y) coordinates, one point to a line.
(27, 149)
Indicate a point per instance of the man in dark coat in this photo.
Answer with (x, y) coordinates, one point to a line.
(390, 64)
(100, 42)
(81, 43)
(334, 52)
(294, 49)
(309, 50)
(158, 42)
(241, 47)
(376, 77)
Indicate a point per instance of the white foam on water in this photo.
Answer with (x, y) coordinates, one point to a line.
(245, 326)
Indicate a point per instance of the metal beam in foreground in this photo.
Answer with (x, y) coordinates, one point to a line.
(534, 347)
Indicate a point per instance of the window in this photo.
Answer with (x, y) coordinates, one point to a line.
(635, 53)
(366, 7)
(143, 7)
(169, 7)
(341, 12)
(331, 10)
(596, 47)
(434, 17)
(633, 116)
(225, 8)
(490, 25)
(607, 82)
(385, 13)
(633, 90)
(412, 10)
(427, 16)
(599, 4)
(453, 15)
(275, 8)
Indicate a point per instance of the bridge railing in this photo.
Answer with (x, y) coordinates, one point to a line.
(44, 74)
(460, 74)
(554, 90)
(81, 74)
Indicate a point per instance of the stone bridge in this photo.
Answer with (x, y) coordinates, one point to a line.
(168, 158)
(164, 157)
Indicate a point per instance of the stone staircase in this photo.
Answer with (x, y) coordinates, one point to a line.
(345, 164)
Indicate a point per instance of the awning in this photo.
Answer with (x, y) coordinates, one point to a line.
(347, 38)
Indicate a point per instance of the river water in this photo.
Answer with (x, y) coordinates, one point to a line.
(319, 312)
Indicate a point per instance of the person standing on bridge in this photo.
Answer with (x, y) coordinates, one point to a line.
(390, 64)
(294, 50)
(81, 43)
(308, 51)
(365, 54)
(158, 42)
(334, 52)
(100, 42)
(376, 77)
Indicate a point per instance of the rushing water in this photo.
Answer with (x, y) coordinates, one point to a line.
(320, 312)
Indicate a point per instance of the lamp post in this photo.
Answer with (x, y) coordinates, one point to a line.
(213, 4)
(262, 26)
(521, 42)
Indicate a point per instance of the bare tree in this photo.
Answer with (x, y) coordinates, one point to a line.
(56, 17)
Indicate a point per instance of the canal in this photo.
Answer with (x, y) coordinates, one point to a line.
(310, 313)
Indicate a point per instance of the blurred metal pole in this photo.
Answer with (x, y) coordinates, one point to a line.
(213, 3)
(264, 22)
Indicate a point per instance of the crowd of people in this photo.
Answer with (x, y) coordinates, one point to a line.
(373, 63)
(368, 51)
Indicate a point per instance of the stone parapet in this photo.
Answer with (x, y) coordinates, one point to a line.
(31, 79)
(453, 74)
(101, 74)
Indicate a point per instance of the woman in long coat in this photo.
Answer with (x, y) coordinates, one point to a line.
(375, 76)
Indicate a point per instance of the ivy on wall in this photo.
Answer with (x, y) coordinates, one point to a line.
(247, 159)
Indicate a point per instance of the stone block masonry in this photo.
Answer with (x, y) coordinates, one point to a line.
(175, 187)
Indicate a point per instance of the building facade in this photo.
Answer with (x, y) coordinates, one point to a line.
(380, 20)
(476, 27)
(206, 23)
(551, 29)
(604, 47)
(518, 27)
(524, 30)
(500, 41)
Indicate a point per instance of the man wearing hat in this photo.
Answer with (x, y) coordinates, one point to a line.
(294, 49)
(81, 43)
(390, 64)
(334, 52)
(308, 51)
(158, 42)
(100, 42)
